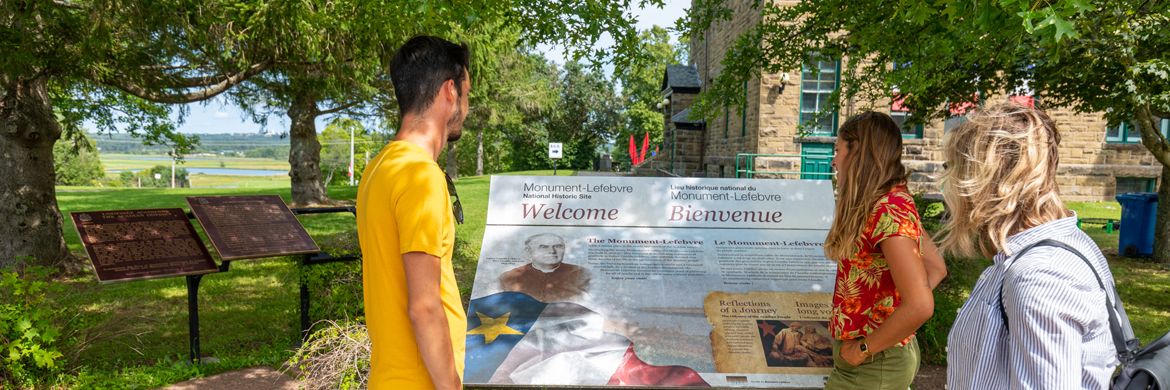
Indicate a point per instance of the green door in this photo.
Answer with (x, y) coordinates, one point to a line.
(816, 158)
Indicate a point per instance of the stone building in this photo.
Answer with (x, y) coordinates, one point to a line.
(1096, 162)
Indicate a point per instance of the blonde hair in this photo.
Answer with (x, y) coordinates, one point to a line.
(874, 168)
(1000, 178)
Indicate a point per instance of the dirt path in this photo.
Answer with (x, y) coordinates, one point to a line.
(255, 378)
(931, 377)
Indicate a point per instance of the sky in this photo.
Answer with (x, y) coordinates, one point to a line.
(219, 117)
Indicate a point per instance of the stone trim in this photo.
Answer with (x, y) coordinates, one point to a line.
(1132, 147)
(815, 139)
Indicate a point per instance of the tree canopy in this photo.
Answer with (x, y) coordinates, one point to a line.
(642, 88)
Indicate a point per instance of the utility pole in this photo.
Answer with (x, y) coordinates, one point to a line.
(173, 156)
(351, 175)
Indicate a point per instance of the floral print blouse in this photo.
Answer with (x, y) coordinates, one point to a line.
(865, 293)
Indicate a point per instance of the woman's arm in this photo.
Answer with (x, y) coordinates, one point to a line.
(909, 273)
(932, 260)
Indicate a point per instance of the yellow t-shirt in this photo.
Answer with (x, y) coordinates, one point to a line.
(403, 206)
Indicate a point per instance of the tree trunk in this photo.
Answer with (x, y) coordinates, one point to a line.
(31, 222)
(479, 153)
(304, 155)
(1162, 220)
(452, 162)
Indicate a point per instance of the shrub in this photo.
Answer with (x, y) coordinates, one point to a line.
(28, 336)
(336, 357)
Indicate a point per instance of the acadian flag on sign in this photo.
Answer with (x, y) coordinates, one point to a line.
(514, 339)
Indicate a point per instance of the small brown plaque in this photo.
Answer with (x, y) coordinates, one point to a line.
(251, 226)
(126, 245)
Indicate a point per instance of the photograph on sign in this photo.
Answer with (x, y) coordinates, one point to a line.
(599, 281)
(129, 245)
(251, 226)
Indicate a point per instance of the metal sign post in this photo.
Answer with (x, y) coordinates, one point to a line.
(554, 152)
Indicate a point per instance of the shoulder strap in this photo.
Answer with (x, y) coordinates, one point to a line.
(1119, 341)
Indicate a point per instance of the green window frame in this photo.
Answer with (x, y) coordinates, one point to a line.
(900, 117)
(1128, 133)
(743, 115)
(1135, 184)
(815, 89)
(726, 121)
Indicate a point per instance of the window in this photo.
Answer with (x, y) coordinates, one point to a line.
(815, 88)
(1134, 184)
(1129, 132)
(901, 115)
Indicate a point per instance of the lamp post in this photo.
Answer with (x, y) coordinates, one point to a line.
(351, 175)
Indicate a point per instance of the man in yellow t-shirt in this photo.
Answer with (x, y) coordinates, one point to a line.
(406, 227)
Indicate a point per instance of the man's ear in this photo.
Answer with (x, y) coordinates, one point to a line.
(452, 93)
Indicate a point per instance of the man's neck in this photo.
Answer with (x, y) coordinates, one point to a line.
(427, 133)
(545, 268)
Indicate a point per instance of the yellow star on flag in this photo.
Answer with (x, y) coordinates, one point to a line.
(491, 328)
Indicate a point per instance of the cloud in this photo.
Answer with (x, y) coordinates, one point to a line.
(221, 114)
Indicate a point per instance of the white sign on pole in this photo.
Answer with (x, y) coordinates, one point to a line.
(554, 150)
(158, 176)
(584, 280)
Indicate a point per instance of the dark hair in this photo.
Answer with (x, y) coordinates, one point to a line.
(421, 66)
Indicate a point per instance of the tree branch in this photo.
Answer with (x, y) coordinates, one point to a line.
(1151, 137)
(203, 81)
(180, 98)
(60, 3)
(338, 108)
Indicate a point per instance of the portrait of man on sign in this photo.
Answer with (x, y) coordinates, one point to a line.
(546, 277)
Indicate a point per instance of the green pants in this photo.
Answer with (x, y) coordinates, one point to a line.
(891, 369)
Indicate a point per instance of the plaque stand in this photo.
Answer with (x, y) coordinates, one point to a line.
(318, 258)
(193, 309)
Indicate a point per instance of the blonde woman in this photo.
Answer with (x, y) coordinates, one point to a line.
(1000, 188)
(884, 283)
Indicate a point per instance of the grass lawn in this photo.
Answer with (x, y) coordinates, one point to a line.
(237, 181)
(1142, 284)
(118, 162)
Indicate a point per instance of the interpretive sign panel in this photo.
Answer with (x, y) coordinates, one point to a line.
(126, 245)
(593, 281)
(251, 226)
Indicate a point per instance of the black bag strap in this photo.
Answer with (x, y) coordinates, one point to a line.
(1124, 351)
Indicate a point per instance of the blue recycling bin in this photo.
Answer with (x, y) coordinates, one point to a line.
(1138, 212)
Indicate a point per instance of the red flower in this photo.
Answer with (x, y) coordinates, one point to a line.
(881, 312)
(851, 305)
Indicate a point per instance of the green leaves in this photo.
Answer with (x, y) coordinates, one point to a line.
(28, 333)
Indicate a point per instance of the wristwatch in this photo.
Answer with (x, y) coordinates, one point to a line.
(864, 348)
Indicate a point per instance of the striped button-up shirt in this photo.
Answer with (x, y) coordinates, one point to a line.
(1058, 330)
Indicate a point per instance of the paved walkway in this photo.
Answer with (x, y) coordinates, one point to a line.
(593, 173)
(255, 378)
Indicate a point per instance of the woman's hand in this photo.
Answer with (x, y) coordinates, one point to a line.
(851, 352)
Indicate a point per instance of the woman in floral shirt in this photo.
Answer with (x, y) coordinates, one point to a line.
(886, 266)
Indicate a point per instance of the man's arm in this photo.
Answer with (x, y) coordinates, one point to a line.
(431, 330)
(932, 260)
